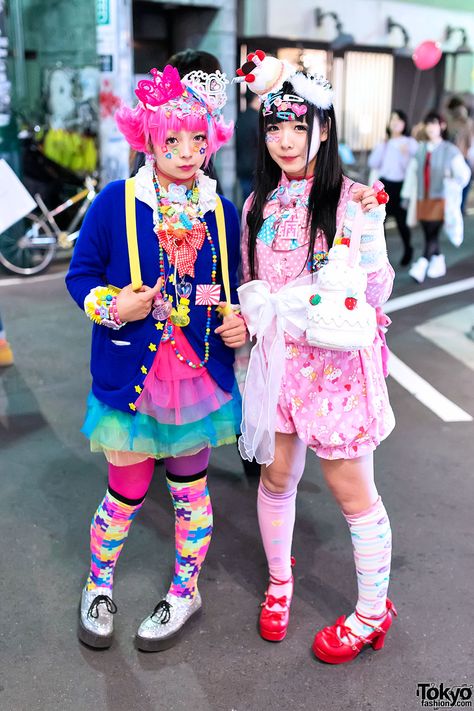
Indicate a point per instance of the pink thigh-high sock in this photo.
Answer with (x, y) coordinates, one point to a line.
(276, 517)
(132, 481)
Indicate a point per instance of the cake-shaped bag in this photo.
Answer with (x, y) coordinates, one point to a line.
(339, 317)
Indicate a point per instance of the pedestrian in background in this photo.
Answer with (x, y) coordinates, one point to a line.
(297, 395)
(246, 142)
(390, 160)
(437, 161)
(461, 133)
(163, 384)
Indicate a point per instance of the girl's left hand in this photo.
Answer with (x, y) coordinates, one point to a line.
(367, 198)
(233, 330)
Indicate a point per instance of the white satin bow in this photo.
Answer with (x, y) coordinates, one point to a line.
(268, 317)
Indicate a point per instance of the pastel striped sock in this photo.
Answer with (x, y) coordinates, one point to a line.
(193, 531)
(372, 543)
(109, 529)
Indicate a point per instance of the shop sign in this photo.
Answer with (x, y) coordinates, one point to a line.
(103, 12)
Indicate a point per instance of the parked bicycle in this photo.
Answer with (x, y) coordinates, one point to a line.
(29, 246)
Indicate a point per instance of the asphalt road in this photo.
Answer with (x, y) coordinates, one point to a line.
(51, 484)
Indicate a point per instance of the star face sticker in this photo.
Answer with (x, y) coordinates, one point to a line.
(152, 347)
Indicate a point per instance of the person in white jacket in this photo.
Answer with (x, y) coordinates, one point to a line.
(436, 161)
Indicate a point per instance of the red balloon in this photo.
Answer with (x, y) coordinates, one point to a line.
(427, 55)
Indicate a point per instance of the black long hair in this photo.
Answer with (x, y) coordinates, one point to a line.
(403, 117)
(326, 189)
(436, 117)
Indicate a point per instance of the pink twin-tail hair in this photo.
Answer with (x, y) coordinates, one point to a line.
(144, 128)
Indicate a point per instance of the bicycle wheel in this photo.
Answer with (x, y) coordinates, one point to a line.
(27, 247)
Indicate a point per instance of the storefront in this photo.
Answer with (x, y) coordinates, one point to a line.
(367, 58)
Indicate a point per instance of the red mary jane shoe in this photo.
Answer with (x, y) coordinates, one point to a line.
(273, 624)
(329, 648)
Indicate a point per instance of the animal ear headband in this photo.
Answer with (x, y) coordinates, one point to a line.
(265, 76)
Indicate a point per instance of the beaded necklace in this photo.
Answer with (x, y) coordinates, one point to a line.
(179, 316)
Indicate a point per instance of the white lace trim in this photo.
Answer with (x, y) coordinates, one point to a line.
(145, 191)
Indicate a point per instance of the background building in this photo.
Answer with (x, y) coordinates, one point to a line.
(367, 57)
(70, 62)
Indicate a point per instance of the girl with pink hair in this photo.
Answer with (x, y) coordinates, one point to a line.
(163, 384)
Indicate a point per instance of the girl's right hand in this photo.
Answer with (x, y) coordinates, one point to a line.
(136, 305)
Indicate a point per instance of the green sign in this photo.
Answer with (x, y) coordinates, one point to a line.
(103, 12)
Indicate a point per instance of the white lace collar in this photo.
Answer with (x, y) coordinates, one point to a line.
(145, 190)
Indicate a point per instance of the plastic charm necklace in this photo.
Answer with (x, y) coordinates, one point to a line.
(163, 306)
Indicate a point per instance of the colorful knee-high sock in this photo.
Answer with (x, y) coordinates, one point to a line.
(193, 530)
(372, 544)
(276, 518)
(109, 529)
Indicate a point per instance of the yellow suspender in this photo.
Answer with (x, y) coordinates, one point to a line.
(131, 223)
(223, 252)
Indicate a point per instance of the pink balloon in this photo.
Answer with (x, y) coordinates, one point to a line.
(427, 55)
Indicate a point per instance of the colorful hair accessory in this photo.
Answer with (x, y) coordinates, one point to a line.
(314, 88)
(210, 87)
(197, 93)
(266, 76)
(286, 115)
(164, 87)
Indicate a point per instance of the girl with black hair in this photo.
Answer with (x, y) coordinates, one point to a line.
(436, 160)
(332, 402)
(390, 159)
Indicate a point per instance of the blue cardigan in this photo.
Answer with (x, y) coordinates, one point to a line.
(101, 257)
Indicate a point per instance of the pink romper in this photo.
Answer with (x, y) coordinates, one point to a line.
(336, 401)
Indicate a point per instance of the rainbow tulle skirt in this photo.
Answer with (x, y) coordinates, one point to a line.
(180, 411)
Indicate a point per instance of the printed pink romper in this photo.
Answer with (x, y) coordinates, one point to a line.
(337, 402)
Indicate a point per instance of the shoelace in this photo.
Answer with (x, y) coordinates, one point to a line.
(162, 610)
(101, 600)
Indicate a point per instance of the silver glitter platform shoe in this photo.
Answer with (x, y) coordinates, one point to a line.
(162, 629)
(96, 621)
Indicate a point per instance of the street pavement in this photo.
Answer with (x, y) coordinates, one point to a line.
(51, 484)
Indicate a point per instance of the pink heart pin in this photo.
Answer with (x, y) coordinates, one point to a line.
(299, 109)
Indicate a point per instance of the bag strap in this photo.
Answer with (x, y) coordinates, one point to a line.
(132, 241)
(221, 233)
